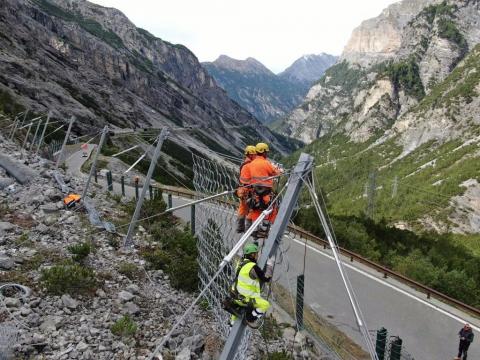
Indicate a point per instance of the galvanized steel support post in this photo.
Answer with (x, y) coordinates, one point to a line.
(285, 211)
(133, 223)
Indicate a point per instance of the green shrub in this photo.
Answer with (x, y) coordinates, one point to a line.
(130, 270)
(124, 327)
(68, 278)
(80, 251)
(270, 330)
(278, 355)
(406, 75)
(176, 254)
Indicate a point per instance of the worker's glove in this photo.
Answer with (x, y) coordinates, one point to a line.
(269, 269)
(271, 261)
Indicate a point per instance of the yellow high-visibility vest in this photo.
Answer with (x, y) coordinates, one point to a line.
(247, 286)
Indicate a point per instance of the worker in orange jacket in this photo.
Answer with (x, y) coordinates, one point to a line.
(243, 190)
(261, 172)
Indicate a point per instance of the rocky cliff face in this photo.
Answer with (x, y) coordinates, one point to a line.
(257, 89)
(380, 38)
(309, 68)
(78, 58)
(364, 100)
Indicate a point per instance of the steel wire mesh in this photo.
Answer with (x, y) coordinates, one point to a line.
(216, 235)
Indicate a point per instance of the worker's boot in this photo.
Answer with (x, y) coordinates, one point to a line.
(240, 225)
(263, 228)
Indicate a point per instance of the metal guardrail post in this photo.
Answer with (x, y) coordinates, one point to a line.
(93, 169)
(287, 206)
(163, 135)
(169, 201)
(60, 156)
(122, 181)
(300, 297)
(43, 133)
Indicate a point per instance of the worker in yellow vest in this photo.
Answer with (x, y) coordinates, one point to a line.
(246, 290)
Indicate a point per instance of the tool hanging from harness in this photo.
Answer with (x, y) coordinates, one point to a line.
(260, 198)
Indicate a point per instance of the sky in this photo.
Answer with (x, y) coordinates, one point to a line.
(275, 32)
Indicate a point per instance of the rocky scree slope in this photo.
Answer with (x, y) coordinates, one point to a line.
(78, 58)
(414, 117)
(257, 89)
(109, 304)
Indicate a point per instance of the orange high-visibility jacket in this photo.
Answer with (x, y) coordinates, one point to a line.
(244, 172)
(260, 169)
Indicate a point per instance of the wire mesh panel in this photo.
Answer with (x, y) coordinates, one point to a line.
(215, 230)
(9, 335)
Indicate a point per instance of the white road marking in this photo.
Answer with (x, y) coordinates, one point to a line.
(435, 307)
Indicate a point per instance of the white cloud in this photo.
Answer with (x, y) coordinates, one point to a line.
(275, 32)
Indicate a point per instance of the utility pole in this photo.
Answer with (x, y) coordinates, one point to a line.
(133, 224)
(43, 133)
(93, 168)
(371, 194)
(395, 187)
(287, 206)
(60, 156)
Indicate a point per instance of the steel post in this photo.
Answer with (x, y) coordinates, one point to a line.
(93, 169)
(300, 297)
(35, 134)
(60, 156)
(43, 133)
(17, 124)
(381, 343)
(133, 223)
(109, 181)
(192, 219)
(285, 211)
(122, 181)
(169, 201)
(26, 138)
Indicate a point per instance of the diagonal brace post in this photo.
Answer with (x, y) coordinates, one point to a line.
(161, 138)
(295, 182)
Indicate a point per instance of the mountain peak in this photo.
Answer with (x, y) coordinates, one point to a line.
(309, 67)
(249, 65)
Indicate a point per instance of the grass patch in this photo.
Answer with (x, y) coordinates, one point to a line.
(130, 270)
(80, 251)
(124, 327)
(68, 278)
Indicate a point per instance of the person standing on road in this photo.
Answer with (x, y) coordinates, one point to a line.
(466, 338)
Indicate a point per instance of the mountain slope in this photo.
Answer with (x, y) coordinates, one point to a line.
(364, 100)
(256, 88)
(308, 68)
(78, 58)
(413, 121)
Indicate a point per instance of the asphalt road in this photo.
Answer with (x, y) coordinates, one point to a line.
(428, 327)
